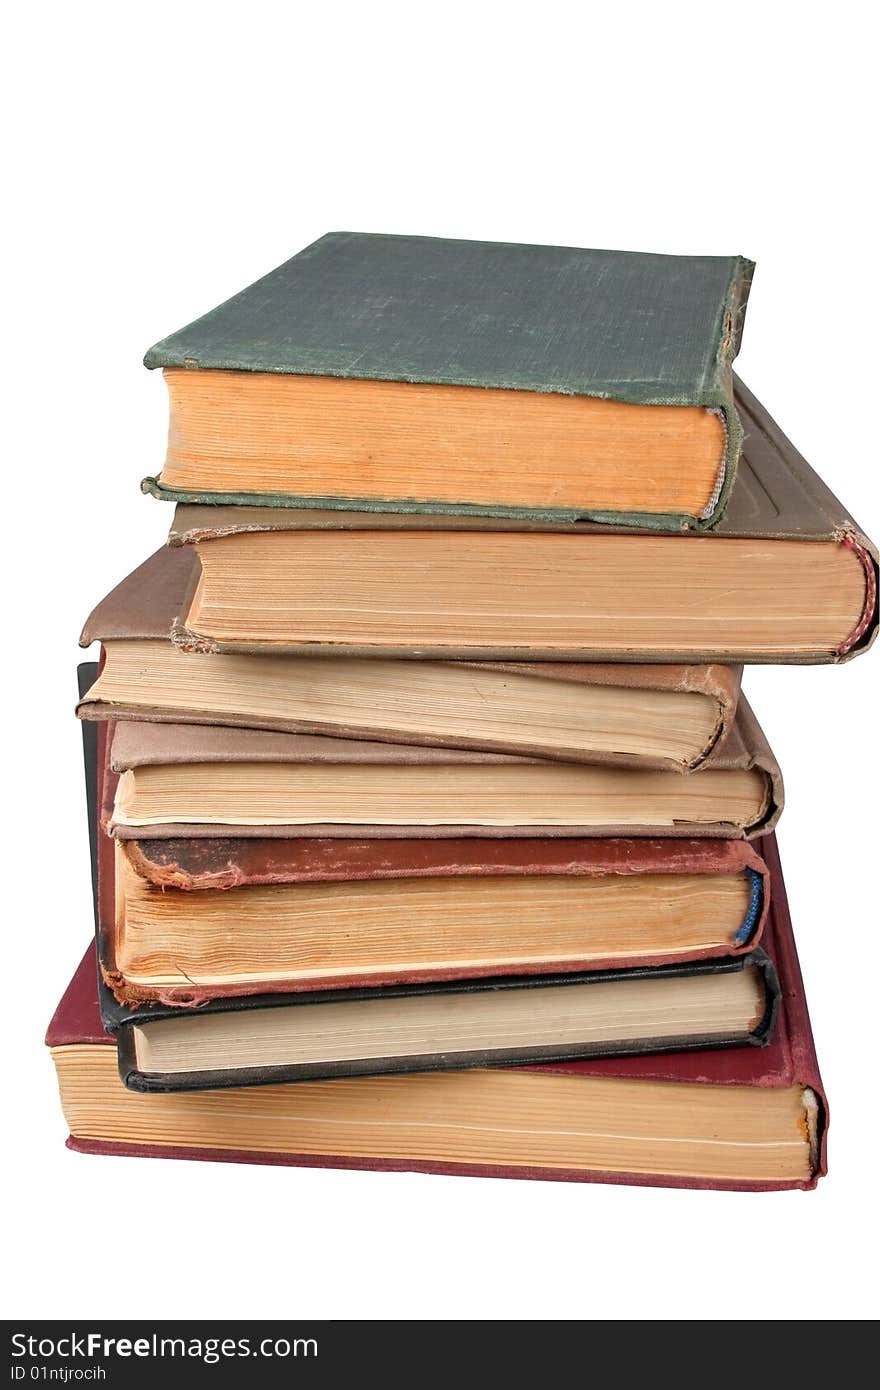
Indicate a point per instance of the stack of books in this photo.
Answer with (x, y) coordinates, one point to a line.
(432, 830)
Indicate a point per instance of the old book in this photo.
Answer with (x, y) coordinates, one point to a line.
(786, 576)
(251, 1040)
(416, 374)
(743, 1118)
(191, 780)
(649, 716)
(192, 920)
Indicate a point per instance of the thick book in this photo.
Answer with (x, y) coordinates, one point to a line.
(415, 374)
(752, 1119)
(787, 576)
(193, 920)
(643, 716)
(509, 1020)
(357, 913)
(179, 780)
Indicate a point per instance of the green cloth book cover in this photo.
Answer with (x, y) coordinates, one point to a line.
(633, 328)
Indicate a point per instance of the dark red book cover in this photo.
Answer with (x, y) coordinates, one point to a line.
(182, 867)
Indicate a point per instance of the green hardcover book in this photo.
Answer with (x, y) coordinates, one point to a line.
(420, 375)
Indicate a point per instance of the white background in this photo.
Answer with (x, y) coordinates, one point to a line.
(162, 156)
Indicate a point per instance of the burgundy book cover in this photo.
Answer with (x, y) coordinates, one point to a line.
(788, 1059)
(195, 865)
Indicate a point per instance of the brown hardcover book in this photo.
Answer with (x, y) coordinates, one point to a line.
(752, 1118)
(192, 920)
(651, 716)
(194, 781)
(786, 576)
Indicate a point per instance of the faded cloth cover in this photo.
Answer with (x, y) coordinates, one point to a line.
(148, 605)
(194, 865)
(719, 684)
(788, 1059)
(181, 866)
(619, 325)
(777, 495)
(139, 744)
